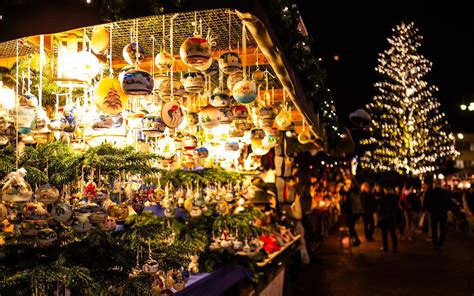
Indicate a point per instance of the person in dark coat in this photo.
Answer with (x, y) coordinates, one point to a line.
(351, 208)
(437, 203)
(368, 205)
(387, 213)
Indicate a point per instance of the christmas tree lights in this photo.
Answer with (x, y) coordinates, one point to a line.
(409, 134)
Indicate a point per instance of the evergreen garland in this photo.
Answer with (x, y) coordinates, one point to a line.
(298, 49)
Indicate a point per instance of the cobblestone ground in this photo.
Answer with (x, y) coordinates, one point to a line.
(417, 269)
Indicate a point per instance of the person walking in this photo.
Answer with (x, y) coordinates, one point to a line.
(410, 204)
(437, 203)
(351, 208)
(387, 213)
(368, 205)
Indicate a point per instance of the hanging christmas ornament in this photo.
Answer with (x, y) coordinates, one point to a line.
(192, 118)
(164, 60)
(220, 98)
(109, 96)
(201, 152)
(120, 212)
(25, 119)
(47, 238)
(172, 114)
(81, 224)
(190, 142)
(109, 224)
(245, 91)
(47, 194)
(233, 78)
(132, 55)
(167, 88)
(167, 148)
(240, 112)
(193, 82)
(229, 62)
(99, 216)
(3, 211)
(35, 211)
(87, 65)
(258, 76)
(100, 39)
(257, 134)
(62, 211)
(157, 283)
(15, 188)
(153, 125)
(195, 51)
(137, 82)
(227, 115)
(210, 116)
(232, 146)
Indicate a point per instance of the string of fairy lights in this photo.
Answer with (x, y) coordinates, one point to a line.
(409, 134)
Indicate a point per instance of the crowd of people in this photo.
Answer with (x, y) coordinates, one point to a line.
(403, 212)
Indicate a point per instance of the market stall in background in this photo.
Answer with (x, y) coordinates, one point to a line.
(133, 152)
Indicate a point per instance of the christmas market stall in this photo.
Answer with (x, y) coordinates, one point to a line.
(144, 153)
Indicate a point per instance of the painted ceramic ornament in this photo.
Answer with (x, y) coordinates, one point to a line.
(41, 121)
(62, 211)
(165, 88)
(205, 66)
(232, 146)
(245, 91)
(81, 224)
(195, 51)
(88, 65)
(120, 212)
(190, 142)
(109, 224)
(47, 194)
(28, 100)
(210, 116)
(193, 82)
(201, 152)
(220, 98)
(266, 112)
(132, 55)
(258, 76)
(157, 283)
(16, 189)
(283, 119)
(257, 134)
(25, 119)
(167, 148)
(35, 211)
(47, 238)
(227, 115)
(269, 142)
(192, 118)
(153, 125)
(98, 217)
(230, 62)
(258, 149)
(233, 78)
(100, 39)
(109, 96)
(163, 60)
(212, 69)
(235, 132)
(150, 266)
(172, 114)
(32, 227)
(137, 82)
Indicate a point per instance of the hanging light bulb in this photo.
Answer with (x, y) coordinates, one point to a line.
(7, 97)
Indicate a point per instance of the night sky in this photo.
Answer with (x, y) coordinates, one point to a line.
(357, 31)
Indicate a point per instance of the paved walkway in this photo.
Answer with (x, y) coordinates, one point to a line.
(417, 269)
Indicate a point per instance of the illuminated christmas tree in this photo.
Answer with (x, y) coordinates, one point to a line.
(409, 135)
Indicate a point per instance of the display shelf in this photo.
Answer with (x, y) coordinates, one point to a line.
(275, 254)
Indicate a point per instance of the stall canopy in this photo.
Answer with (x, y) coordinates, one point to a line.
(29, 19)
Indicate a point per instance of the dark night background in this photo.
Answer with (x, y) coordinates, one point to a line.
(356, 31)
